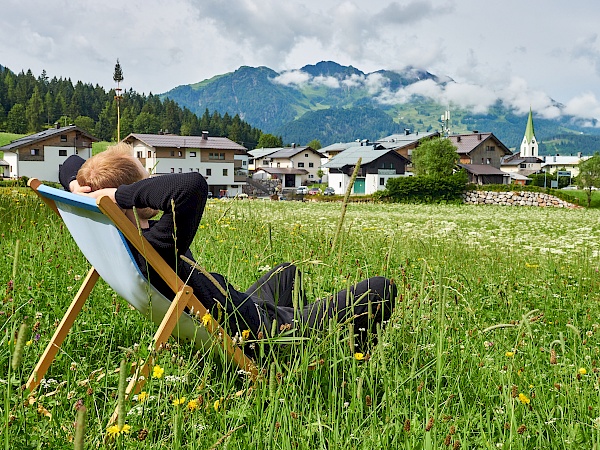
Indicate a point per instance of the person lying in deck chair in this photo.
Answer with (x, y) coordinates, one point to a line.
(181, 197)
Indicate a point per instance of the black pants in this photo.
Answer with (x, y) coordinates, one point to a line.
(274, 292)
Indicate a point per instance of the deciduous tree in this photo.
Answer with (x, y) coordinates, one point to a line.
(436, 157)
(589, 175)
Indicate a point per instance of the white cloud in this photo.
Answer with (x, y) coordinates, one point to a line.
(292, 77)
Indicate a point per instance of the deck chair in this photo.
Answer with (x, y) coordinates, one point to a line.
(101, 230)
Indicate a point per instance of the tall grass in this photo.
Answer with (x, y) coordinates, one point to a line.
(493, 342)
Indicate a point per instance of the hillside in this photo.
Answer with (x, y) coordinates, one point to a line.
(295, 104)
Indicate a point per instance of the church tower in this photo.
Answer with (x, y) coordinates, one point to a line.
(529, 146)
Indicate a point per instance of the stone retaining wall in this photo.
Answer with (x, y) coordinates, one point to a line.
(515, 199)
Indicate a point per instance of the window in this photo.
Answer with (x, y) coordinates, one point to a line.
(172, 152)
(191, 169)
(265, 162)
(490, 148)
(221, 155)
(208, 172)
(522, 165)
(311, 164)
(300, 164)
(488, 161)
(180, 154)
(340, 184)
(224, 172)
(278, 164)
(180, 170)
(311, 176)
(306, 155)
(216, 156)
(381, 181)
(62, 153)
(63, 138)
(192, 154)
(243, 163)
(139, 154)
(172, 169)
(35, 152)
(149, 154)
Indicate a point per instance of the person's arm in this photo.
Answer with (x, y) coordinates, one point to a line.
(67, 172)
(181, 198)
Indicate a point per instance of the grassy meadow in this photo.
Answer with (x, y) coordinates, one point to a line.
(494, 342)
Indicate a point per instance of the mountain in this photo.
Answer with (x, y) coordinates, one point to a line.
(335, 103)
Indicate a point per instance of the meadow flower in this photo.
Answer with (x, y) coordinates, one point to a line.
(582, 371)
(192, 405)
(114, 430)
(359, 356)
(157, 372)
(216, 405)
(142, 396)
(509, 354)
(524, 399)
(245, 334)
(179, 401)
(206, 318)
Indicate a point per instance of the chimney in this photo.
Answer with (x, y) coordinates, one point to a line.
(579, 155)
(457, 138)
(406, 132)
(293, 145)
(479, 137)
(205, 135)
(56, 125)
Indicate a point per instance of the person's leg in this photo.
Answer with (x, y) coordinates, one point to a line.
(379, 292)
(277, 285)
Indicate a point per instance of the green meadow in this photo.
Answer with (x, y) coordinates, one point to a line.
(494, 342)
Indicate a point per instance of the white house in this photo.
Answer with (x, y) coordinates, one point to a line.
(565, 163)
(302, 164)
(378, 164)
(223, 163)
(40, 155)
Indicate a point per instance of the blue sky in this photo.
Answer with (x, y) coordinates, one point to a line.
(528, 53)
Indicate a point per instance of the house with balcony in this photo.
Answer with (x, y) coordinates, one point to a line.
(378, 164)
(223, 162)
(40, 155)
(479, 148)
(295, 165)
(404, 144)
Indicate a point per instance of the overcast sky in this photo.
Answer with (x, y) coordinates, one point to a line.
(525, 52)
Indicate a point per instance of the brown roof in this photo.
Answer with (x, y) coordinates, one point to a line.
(466, 143)
(173, 141)
(43, 135)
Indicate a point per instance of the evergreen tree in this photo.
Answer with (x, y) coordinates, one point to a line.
(16, 121)
(34, 111)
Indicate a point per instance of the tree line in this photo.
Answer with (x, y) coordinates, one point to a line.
(29, 105)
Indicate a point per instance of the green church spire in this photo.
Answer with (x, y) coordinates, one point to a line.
(529, 134)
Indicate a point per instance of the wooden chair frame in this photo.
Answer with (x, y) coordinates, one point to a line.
(184, 297)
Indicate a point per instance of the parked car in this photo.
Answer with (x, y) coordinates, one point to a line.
(302, 190)
(329, 191)
(314, 191)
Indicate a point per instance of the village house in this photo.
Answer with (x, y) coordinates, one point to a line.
(294, 166)
(223, 163)
(378, 164)
(40, 155)
(404, 144)
(479, 148)
(563, 163)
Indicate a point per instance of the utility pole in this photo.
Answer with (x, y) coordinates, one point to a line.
(118, 77)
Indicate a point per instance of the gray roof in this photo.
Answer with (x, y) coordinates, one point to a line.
(43, 135)
(340, 146)
(4, 163)
(283, 170)
(174, 141)
(482, 169)
(262, 152)
(404, 139)
(350, 156)
(289, 152)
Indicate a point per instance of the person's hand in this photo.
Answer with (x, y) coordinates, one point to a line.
(75, 188)
(108, 192)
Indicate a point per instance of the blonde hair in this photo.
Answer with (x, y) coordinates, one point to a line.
(112, 168)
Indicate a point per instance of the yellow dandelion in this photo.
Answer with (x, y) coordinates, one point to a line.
(582, 371)
(28, 343)
(216, 405)
(192, 405)
(509, 354)
(179, 401)
(246, 334)
(142, 396)
(532, 266)
(114, 430)
(359, 356)
(524, 399)
(157, 372)
(206, 319)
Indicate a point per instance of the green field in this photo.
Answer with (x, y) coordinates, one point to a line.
(494, 342)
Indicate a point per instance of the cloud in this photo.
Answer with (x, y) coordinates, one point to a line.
(292, 77)
(585, 105)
